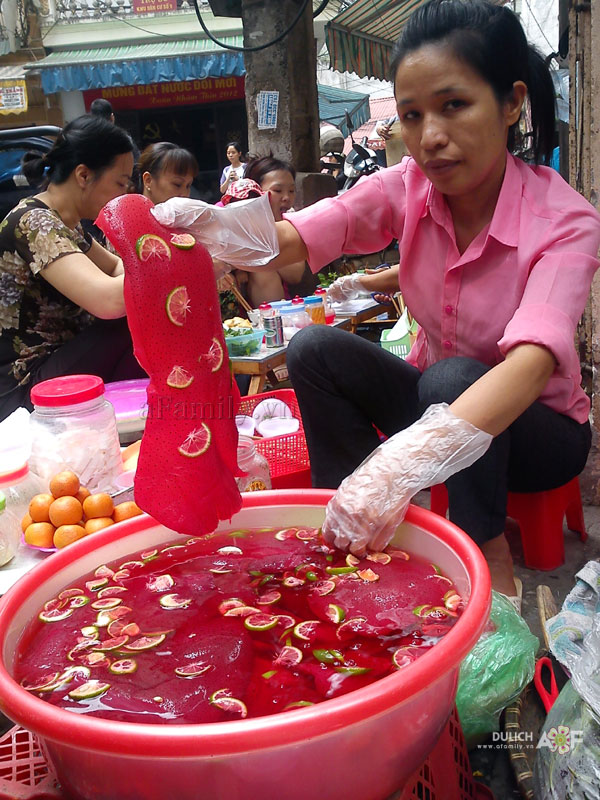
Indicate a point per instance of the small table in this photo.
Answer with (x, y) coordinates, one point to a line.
(263, 365)
(357, 311)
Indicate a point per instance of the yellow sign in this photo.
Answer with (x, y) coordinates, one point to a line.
(13, 96)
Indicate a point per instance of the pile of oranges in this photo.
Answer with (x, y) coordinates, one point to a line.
(70, 512)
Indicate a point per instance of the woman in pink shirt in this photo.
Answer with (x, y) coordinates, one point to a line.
(496, 262)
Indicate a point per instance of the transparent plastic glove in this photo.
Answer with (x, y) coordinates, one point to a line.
(242, 234)
(372, 502)
(348, 287)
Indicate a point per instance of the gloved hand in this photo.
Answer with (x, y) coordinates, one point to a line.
(242, 234)
(372, 501)
(348, 287)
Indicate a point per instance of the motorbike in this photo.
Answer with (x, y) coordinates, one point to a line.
(361, 160)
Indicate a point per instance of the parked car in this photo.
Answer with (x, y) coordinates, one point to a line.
(14, 143)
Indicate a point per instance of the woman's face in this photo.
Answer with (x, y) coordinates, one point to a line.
(282, 191)
(451, 120)
(233, 155)
(111, 183)
(166, 184)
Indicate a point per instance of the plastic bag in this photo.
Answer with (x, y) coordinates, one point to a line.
(495, 672)
(241, 234)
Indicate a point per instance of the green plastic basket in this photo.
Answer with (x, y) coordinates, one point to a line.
(399, 347)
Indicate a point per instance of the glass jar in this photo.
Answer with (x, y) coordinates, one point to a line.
(303, 320)
(315, 309)
(19, 486)
(10, 533)
(74, 427)
(329, 312)
(254, 464)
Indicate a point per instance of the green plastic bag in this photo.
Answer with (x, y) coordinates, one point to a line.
(495, 672)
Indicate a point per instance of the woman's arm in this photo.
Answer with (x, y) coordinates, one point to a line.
(383, 281)
(77, 277)
(501, 395)
(108, 262)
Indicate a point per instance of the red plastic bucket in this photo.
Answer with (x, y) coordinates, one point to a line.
(361, 746)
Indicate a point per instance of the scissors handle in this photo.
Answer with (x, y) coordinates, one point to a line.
(547, 697)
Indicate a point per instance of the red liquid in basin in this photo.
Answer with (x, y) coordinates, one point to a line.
(242, 623)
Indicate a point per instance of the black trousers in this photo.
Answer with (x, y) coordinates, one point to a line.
(348, 387)
(104, 349)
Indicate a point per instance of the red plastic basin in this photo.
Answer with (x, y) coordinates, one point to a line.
(362, 746)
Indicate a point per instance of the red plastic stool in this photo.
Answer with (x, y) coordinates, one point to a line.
(540, 516)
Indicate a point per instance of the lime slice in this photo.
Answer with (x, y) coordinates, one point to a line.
(324, 587)
(335, 614)
(306, 630)
(160, 583)
(241, 611)
(368, 575)
(196, 443)
(174, 601)
(145, 642)
(64, 595)
(340, 570)
(112, 591)
(121, 575)
(179, 378)
(286, 533)
(298, 704)
(123, 667)
(291, 582)
(289, 657)
(93, 660)
(90, 632)
(351, 628)
(353, 670)
(230, 550)
(89, 689)
(149, 245)
(112, 644)
(98, 583)
(183, 241)
(41, 683)
(268, 598)
(379, 558)
(107, 602)
(307, 535)
(148, 555)
(452, 600)
(55, 615)
(227, 605)
(131, 565)
(400, 554)
(352, 561)
(120, 628)
(221, 700)
(178, 305)
(328, 656)
(214, 355)
(193, 670)
(79, 601)
(103, 572)
(260, 622)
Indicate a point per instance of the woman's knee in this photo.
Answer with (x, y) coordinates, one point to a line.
(307, 345)
(446, 380)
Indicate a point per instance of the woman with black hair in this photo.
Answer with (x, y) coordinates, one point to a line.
(236, 167)
(166, 170)
(496, 263)
(53, 278)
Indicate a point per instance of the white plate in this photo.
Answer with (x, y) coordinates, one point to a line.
(276, 426)
(269, 408)
(245, 425)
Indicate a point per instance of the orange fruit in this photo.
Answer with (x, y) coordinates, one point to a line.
(98, 505)
(64, 484)
(65, 511)
(40, 534)
(39, 506)
(26, 522)
(126, 510)
(97, 523)
(67, 534)
(82, 494)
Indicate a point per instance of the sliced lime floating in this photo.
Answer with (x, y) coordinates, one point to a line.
(112, 644)
(121, 575)
(289, 656)
(123, 667)
(260, 622)
(324, 587)
(379, 558)
(98, 583)
(151, 246)
(306, 534)
(40, 683)
(183, 241)
(402, 657)
(103, 572)
(335, 614)
(268, 598)
(119, 627)
(306, 630)
(145, 642)
(89, 689)
(241, 611)
(78, 601)
(90, 632)
(196, 442)
(106, 603)
(179, 378)
(350, 628)
(400, 554)
(66, 593)
(353, 670)
(55, 615)
(340, 570)
(352, 561)
(286, 533)
(174, 601)
(328, 656)
(368, 575)
(298, 704)
(112, 591)
(148, 555)
(160, 583)
(452, 600)
(230, 704)
(93, 660)
(291, 582)
(269, 674)
(232, 602)
(177, 305)
(193, 670)
(131, 564)
(214, 356)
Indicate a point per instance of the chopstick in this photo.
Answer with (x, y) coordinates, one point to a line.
(396, 306)
(241, 299)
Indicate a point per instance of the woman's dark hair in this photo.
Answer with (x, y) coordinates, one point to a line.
(259, 166)
(86, 140)
(237, 146)
(490, 39)
(162, 156)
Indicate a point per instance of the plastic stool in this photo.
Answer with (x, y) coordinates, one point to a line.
(540, 516)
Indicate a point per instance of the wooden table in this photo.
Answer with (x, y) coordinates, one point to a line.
(367, 309)
(266, 362)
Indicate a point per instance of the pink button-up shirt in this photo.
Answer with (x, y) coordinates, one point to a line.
(524, 278)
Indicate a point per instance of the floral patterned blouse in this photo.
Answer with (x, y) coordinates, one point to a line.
(35, 318)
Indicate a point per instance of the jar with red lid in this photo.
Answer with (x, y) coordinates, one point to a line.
(329, 312)
(74, 427)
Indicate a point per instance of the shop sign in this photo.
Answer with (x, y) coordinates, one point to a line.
(172, 93)
(13, 96)
(153, 6)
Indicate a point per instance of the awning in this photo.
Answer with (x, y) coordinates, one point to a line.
(360, 39)
(333, 104)
(97, 68)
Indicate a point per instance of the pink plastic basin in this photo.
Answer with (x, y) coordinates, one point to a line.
(362, 746)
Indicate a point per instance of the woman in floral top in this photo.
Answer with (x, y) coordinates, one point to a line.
(54, 279)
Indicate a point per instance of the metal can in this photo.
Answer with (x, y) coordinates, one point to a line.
(273, 326)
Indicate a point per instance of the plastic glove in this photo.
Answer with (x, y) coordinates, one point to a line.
(242, 234)
(372, 501)
(348, 287)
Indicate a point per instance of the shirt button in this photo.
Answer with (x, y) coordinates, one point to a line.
(448, 309)
(447, 344)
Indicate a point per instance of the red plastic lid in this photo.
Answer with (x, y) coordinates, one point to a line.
(67, 390)
(264, 306)
(13, 477)
(297, 300)
(320, 290)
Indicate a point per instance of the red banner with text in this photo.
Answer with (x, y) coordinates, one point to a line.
(153, 6)
(172, 93)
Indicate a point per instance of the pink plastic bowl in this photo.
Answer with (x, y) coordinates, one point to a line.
(362, 746)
